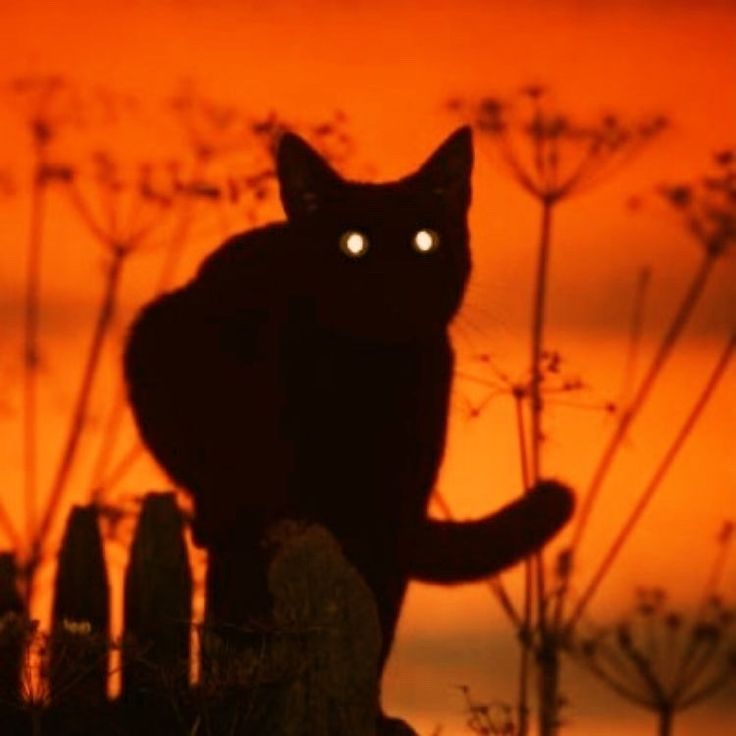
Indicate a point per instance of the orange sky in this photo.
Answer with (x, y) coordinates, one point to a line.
(390, 66)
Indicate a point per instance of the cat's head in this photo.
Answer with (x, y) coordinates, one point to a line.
(382, 261)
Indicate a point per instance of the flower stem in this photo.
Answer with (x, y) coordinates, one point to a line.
(547, 652)
(526, 628)
(665, 721)
(537, 345)
(548, 667)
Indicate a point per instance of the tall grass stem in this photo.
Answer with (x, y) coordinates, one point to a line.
(79, 415)
(31, 350)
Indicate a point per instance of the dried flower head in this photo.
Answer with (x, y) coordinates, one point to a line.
(707, 205)
(660, 658)
(212, 128)
(559, 386)
(488, 719)
(47, 103)
(120, 202)
(547, 152)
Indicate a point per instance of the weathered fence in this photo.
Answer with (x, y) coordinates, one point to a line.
(312, 672)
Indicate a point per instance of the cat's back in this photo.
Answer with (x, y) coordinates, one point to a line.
(235, 292)
(206, 356)
(242, 273)
(249, 269)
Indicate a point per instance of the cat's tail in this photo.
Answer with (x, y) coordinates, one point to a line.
(462, 551)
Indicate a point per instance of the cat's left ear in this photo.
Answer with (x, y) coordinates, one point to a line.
(305, 178)
(449, 168)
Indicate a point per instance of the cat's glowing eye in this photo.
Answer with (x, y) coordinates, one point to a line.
(353, 244)
(425, 241)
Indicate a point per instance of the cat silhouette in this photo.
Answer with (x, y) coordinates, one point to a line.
(305, 372)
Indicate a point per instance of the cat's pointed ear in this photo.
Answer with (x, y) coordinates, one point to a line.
(305, 178)
(449, 168)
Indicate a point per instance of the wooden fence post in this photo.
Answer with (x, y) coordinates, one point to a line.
(157, 605)
(335, 658)
(313, 669)
(79, 643)
(13, 628)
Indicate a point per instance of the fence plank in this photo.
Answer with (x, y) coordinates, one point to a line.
(13, 627)
(312, 669)
(157, 605)
(79, 644)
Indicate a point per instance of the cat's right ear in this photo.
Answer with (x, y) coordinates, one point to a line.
(449, 168)
(305, 178)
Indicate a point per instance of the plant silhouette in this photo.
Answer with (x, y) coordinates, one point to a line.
(305, 372)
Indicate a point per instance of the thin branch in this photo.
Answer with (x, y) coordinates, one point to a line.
(698, 666)
(708, 690)
(85, 213)
(689, 300)
(488, 383)
(619, 687)
(512, 161)
(656, 480)
(624, 667)
(108, 441)
(118, 472)
(181, 234)
(172, 255)
(589, 161)
(643, 666)
(715, 575)
(616, 162)
(688, 655)
(635, 331)
(9, 528)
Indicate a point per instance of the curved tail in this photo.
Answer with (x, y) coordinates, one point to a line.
(462, 551)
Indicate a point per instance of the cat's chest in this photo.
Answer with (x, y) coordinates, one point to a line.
(366, 418)
(358, 381)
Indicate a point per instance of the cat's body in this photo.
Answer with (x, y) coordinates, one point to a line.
(306, 373)
(289, 420)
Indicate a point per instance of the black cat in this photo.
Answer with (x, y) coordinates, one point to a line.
(305, 372)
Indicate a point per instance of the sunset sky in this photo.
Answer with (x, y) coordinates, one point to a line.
(391, 66)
